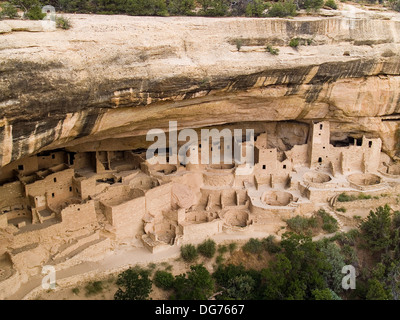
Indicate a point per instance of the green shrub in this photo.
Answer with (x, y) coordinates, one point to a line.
(294, 42)
(282, 9)
(239, 43)
(256, 8)
(343, 197)
(363, 196)
(93, 287)
(214, 8)
(331, 4)
(329, 223)
(181, 7)
(8, 10)
(75, 291)
(300, 224)
(253, 246)
(222, 249)
(63, 23)
(232, 247)
(313, 5)
(342, 209)
(163, 280)
(35, 13)
(189, 253)
(146, 7)
(270, 244)
(271, 50)
(207, 248)
(219, 259)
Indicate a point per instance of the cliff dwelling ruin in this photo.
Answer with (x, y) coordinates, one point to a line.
(57, 205)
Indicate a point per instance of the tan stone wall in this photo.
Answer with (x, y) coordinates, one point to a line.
(127, 218)
(53, 159)
(218, 179)
(3, 220)
(298, 154)
(158, 199)
(199, 231)
(11, 194)
(84, 160)
(319, 147)
(57, 187)
(29, 166)
(77, 216)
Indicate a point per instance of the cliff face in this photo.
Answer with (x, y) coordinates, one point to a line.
(103, 84)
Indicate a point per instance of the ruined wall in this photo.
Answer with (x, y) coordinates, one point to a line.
(158, 199)
(193, 233)
(77, 216)
(11, 194)
(57, 187)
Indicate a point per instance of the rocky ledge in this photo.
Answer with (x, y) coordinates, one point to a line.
(109, 79)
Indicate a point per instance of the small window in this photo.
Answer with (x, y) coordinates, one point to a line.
(323, 147)
(200, 145)
(21, 167)
(53, 156)
(52, 195)
(211, 148)
(320, 127)
(319, 159)
(70, 189)
(370, 144)
(284, 166)
(264, 167)
(55, 179)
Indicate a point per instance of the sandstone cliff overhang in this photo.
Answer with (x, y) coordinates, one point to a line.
(112, 78)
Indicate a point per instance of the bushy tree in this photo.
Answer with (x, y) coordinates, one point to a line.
(325, 294)
(134, 284)
(297, 271)
(8, 10)
(256, 8)
(207, 248)
(282, 9)
(197, 284)
(376, 230)
(253, 246)
(163, 279)
(240, 287)
(35, 13)
(214, 8)
(335, 259)
(311, 4)
(189, 253)
(146, 7)
(376, 290)
(181, 7)
(331, 4)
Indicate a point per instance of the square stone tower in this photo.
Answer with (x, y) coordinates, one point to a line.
(319, 144)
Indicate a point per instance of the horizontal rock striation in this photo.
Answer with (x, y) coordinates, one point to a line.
(104, 83)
